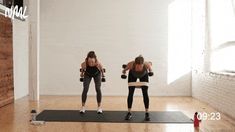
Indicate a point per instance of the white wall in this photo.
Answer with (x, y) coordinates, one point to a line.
(118, 31)
(20, 58)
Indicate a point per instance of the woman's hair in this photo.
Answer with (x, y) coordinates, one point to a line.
(91, 54)
(139, 60)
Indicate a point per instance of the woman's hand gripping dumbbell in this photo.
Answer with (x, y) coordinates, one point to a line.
(123, 76)
(83, 71)
(150, 73)
(103, 77)
(82, 74)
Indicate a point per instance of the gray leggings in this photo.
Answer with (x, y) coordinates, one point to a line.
(86, 83)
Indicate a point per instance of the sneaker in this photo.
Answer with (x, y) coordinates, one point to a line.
(99, 110)
(147, 118)
(128, 116)
(82, 110)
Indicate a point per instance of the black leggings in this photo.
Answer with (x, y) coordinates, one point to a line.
(86, 83)
(132, 78)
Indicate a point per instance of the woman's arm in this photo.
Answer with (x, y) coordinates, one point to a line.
(128, 67)
(100, 67)
(83, 67)
(148, 65)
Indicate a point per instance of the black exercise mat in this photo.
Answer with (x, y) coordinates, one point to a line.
(112, 116)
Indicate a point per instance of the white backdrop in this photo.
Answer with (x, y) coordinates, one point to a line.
(117, 31)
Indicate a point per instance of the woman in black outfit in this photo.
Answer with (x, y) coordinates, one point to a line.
(138, 69)
(91, 68)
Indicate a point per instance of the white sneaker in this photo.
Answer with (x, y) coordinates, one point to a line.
(82, 110)
(99, 110)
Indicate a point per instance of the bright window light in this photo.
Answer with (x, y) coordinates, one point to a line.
(179, 39)
(222, 35)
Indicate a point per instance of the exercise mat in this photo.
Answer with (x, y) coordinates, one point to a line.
(112, 116)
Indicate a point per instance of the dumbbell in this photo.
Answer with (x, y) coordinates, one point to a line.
(123, 76)
(124, 66)
(150, 74)
(103, 77)
(81, 70)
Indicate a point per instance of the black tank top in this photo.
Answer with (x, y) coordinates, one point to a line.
(92, 70)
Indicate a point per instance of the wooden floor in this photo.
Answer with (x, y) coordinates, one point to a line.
(15, 117)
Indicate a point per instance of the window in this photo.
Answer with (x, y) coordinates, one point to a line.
(221, 23)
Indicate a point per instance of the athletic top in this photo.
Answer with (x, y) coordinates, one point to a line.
(92, 70)
(138, 74)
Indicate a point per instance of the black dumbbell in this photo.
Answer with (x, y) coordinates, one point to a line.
(124, 66)
(81, 79)
(123, 76)
(103, 79)
(150, 74)
(81, 70)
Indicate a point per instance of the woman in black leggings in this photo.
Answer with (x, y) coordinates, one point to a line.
(91, 68)
(138, 69)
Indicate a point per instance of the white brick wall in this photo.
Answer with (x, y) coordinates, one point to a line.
(216, 90)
